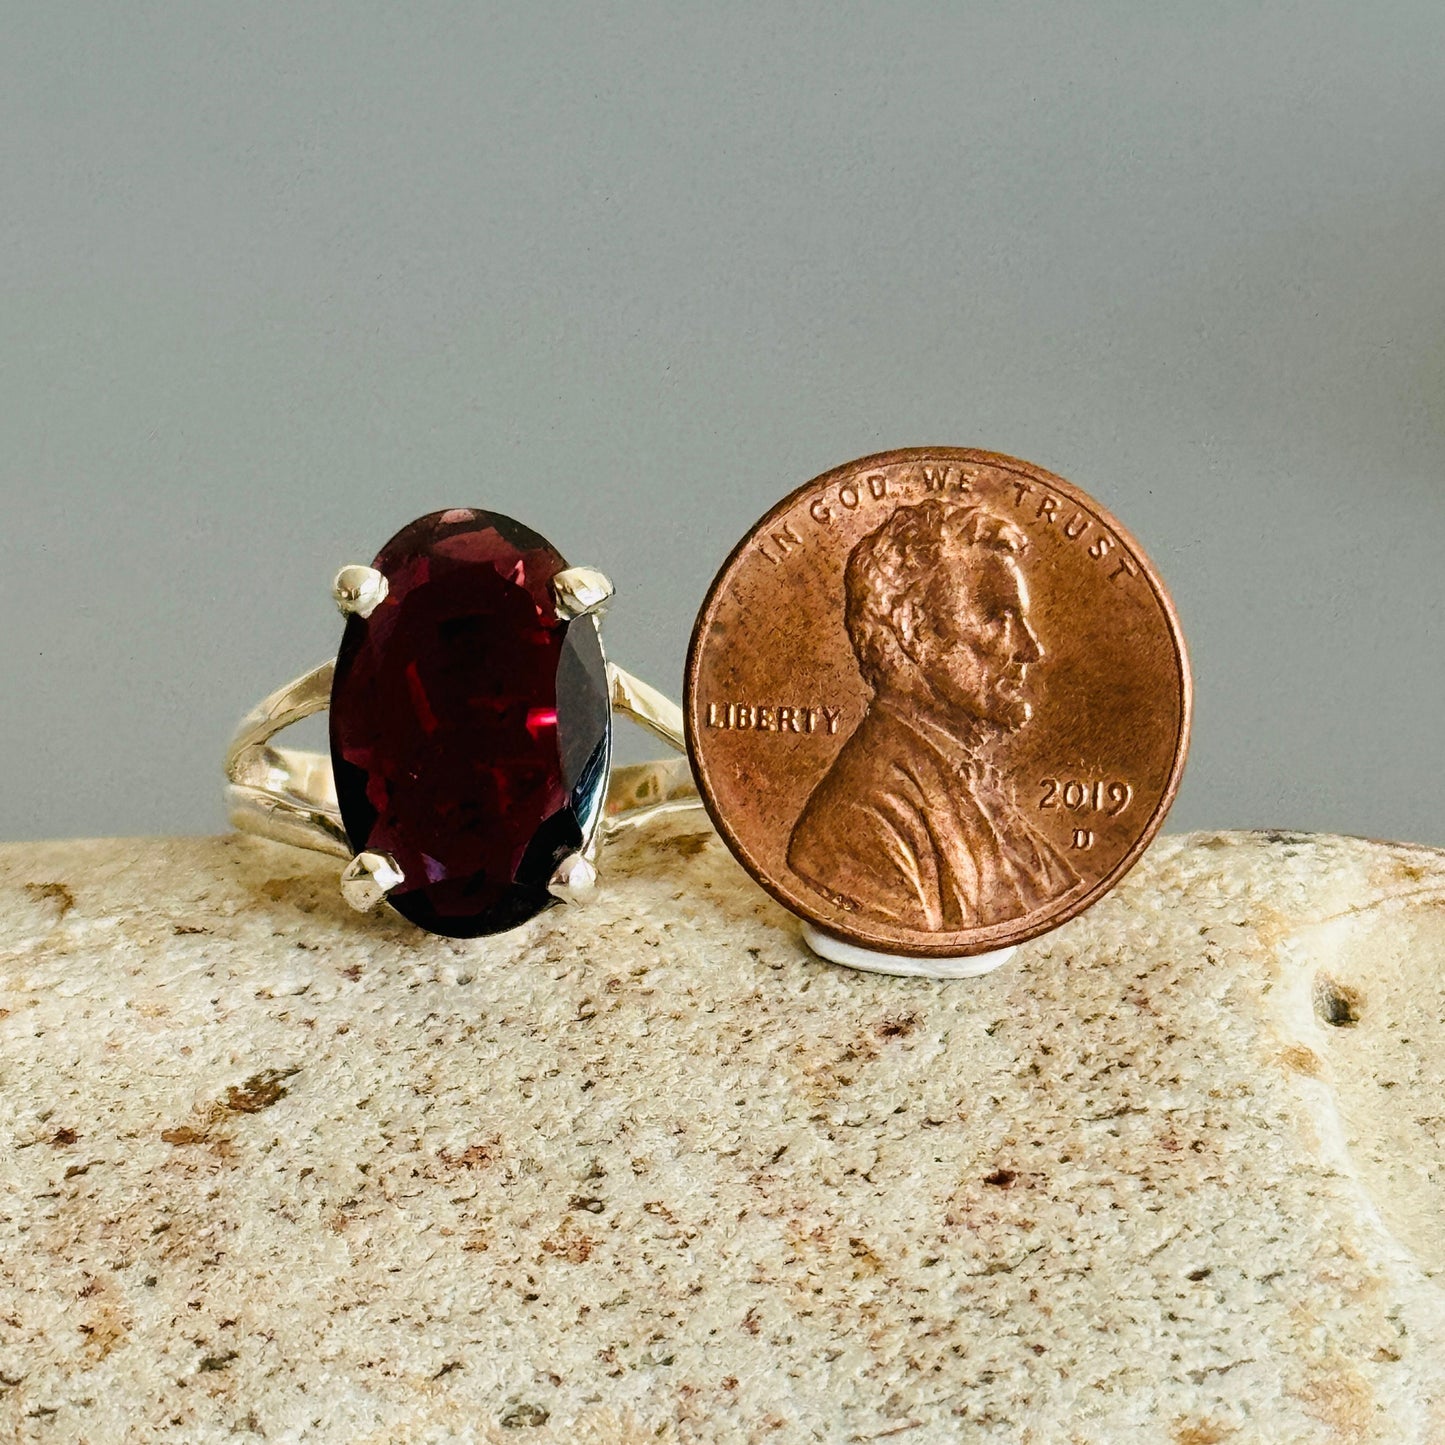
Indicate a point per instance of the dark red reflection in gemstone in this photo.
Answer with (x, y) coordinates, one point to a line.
(470, 725)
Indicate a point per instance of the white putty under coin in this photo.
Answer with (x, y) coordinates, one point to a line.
(869, 960)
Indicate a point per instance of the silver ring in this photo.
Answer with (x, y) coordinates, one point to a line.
(471, 707)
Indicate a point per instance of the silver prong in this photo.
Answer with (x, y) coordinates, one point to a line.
(574, 879)
(580, 590)
(359, 590)
(368, 878)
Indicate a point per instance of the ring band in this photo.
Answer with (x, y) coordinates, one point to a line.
(289, 795)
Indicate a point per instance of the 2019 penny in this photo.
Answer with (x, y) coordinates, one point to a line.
(937, 701)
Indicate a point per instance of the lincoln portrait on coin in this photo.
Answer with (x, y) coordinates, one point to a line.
(913, 823)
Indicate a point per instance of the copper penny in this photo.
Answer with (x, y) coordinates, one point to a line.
(937, 701)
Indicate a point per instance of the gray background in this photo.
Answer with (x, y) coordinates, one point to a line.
(276, 279)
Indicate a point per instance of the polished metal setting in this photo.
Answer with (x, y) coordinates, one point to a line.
(284, 794)
(368, 878)
(645, 705)
(578, 591)
(575, 880)
(289, 795)
(358, 590)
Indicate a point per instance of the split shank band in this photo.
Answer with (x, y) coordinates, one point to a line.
(289, 795)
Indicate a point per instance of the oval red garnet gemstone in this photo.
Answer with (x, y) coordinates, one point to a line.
(470, 724)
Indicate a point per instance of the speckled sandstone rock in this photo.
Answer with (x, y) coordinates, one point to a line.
(647, 1171)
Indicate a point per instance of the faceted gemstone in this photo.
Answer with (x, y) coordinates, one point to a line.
(470, 725)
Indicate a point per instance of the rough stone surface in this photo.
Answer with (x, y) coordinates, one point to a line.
(645, 1171)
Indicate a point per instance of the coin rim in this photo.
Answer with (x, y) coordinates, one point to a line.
(998, 935)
